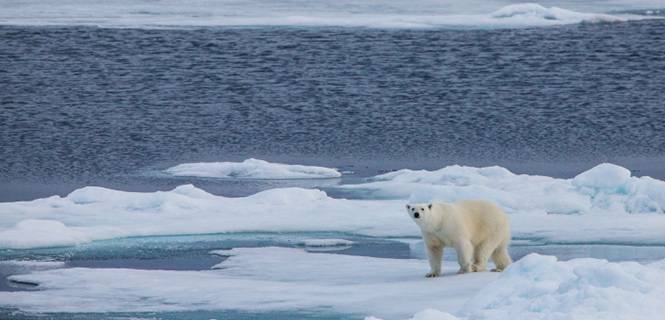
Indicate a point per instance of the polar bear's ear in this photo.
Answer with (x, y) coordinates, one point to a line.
(408, 207)
(429, 206)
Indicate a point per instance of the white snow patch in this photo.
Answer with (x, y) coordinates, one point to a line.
(255, 279)
(252, 169)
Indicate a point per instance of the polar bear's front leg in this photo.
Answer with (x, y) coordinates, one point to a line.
(464, 256)
(434, 255)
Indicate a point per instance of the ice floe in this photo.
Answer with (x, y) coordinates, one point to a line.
(269, 279)
(602, 205)
(254, 279)
(252, 169)
(540, 287)
(95, 213)
(604, 189)
(326, 242)
(372, 14)
(537, 12)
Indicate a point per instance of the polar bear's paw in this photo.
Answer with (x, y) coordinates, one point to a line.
(497, 270)
(462, 271)
(477, 268)
(432, 275)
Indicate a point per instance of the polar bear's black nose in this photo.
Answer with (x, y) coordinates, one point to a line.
(416, 215)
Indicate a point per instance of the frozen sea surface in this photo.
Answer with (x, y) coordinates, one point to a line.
(179, 262)
(291, 280)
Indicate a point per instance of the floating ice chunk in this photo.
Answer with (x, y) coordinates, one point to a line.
(252, 169)
(534, 11)
(255, 279)
(326, 242)
(323, 245)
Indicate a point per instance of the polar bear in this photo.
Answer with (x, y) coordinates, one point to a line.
(477, 229)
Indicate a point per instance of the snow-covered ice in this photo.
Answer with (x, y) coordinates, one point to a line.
(605, 189)
(254, 279)
(94, 213)
(602, 205)
(541, 287)
(536, 12)
(252, 169)
(262, 279)
(351, 13)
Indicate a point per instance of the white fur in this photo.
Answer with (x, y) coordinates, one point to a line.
(476, 229)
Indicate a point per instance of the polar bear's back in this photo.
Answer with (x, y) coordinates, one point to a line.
(483, 220)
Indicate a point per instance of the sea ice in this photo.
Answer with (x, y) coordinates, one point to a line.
(534, 11)
(372, 14)
(94, 213)
(602, 205)
(270, 279)
(252, 169)
(540, 287)
(254, 279)
(604, 189)
(326, 242)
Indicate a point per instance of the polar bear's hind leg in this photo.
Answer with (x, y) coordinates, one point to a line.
(501, 258)
(481, 255)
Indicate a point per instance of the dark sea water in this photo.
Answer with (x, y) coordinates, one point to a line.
(84, 105)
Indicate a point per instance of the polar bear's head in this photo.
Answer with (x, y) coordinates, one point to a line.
(419, 212)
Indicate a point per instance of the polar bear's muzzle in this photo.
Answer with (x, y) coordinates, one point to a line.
(416, 215)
